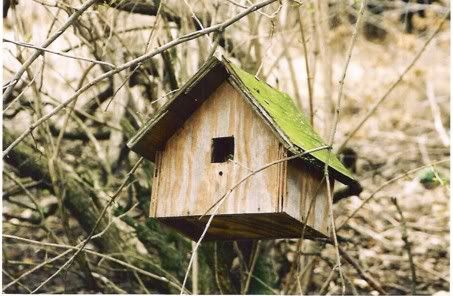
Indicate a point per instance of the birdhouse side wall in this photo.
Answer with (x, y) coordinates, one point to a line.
(187, 182)
(305, 186)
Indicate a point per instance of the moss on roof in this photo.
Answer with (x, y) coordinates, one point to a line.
(292, 122)
(278, 110)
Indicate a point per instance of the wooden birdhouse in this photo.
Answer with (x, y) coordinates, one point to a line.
(223, 124)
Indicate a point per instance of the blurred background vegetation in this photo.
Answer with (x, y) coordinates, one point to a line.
(73, 172)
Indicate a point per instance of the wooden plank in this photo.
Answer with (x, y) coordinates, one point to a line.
(155, 185)
(158, 129)
(279, 189)
(302, 188)
(282, 152)
(189, 183)
(241, 226)
(282, 115)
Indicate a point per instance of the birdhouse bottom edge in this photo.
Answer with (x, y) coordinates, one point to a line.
(241, 227)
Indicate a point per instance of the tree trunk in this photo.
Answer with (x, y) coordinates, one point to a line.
(29, 162)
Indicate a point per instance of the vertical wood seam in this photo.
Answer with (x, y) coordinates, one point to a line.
(155, 185)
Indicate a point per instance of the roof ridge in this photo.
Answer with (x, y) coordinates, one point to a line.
(275, 107)
(293, 124)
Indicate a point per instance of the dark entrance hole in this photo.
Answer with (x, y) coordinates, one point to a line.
(222, 149)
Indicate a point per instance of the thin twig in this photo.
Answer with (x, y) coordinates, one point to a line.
(109, 283)
(443, 135)
(38, 208)
(197, 20)
(35, 268)
(216, 269)
(12, 278)
(332, 137)
(363, 274)
(148, 44)
(321, 18)
(307, 67)
(292, 71)
(407, 245)
(23, 44)
(264, 284)
(372, 195)
(302, 272)
(255, 254)
(242, 264)
(98, 222)
(215, 207)
(19, 96)
(400, 78)
(219, 27)
(195, 271)
(351, 284)
(104, 256)
(300, 242)
(325, 286)
(77, 13)
(127, 30)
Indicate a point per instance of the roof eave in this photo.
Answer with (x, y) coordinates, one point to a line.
(146, 146)
(178, 109)
(287, 143)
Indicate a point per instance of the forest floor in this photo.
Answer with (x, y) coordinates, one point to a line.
(409, 131)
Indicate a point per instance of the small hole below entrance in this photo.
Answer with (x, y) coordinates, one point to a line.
(220, 173)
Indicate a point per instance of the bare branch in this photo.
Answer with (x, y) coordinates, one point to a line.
(407, 245)
(23, 44)
(89, 251)
(372, 195)
(443, 135)
(395, 84)
(215, 207)
(182, 39)
(363, 274)
(332, 137)
(307, 67)
(77, 13)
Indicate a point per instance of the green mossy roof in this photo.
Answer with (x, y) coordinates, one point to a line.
(277, 108)
(292, 122)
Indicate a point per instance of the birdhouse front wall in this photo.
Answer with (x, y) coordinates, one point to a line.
(222, 142)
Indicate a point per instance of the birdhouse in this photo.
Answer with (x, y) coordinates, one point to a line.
(220, 127)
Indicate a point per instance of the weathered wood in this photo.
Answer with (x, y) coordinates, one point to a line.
(275, 108)
(155, 185)
(188, 183)
(304, 184)
(174, 113)
(240, 227)
(282, 168)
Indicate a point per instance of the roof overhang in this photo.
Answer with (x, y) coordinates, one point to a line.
(170, 117)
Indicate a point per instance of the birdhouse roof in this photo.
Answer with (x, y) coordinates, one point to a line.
(276, 108)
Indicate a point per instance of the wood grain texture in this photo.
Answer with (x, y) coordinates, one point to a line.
(270, 204)
(282, 167)
(155, 184)
(304, 184)
(163, 124)
(187, 183)
(238, 227)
